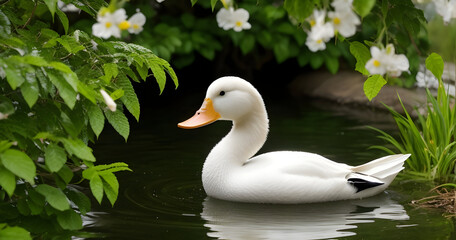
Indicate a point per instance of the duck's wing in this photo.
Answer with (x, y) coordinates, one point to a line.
(300, 163)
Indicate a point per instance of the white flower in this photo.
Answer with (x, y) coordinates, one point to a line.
(108, 100)
(377, 64)
(240, 17)
(224, 18)
(318, 36)
(233, 19)
(320, 32)
(446, 8)
(342, 5)
(426, 80)
(344, 22)
(160, 1)
(317, 18)
(110, 24)
(397, 63)
(137, 22)
(386, 61)
(67, 7)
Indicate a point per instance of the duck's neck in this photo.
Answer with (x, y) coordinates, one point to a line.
(246, 137)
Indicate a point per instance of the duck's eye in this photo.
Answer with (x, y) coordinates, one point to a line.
(222, 93)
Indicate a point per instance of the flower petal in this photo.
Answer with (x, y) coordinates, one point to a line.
(138, 18)
(241, 15)
(119, 15)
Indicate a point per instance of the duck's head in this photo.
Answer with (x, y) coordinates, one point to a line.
(227, 98)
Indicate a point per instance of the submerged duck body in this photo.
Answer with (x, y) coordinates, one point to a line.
(230, 171)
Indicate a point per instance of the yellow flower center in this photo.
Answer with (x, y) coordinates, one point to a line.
(124, 25)
(108, 24)
(238, 23)
(135, 26)
(376, 63)
(312, 23)
(319, 41)
(336, 20)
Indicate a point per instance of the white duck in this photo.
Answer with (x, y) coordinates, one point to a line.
(231, 173)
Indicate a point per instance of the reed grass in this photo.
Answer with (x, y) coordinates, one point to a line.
(430, 138)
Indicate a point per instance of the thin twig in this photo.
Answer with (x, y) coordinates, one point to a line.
(414, 44)
(31, 15)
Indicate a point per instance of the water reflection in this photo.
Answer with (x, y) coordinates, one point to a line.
(229, 220)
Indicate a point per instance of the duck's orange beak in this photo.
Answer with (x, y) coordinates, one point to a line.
(205, 115)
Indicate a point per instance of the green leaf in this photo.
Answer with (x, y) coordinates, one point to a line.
(113, 167)
(5, 144)
(159, 74)
(79, 148)
(435, 64)
(112, 187)
(65, 175)
(52, 5)
(13, 76)
(362, 55)
(73, 121)
(118, 93)
(281, 50)
(129, 99)
(332, 64)
(23, 207)
(80, 199)
(87, 91)
(363, 7)
(54, 157)
(96, 119)
(6, 106)
(213, 3)
(36, 202)
(316, 61)
(96, 186)
(61, 67)
(373, 85)
(14, 233)
(110, 71)
(19, 163)
(172, 74)
(143, 71)
(64, 19)
(70, 44)
(54, 196)
(30, 89)
(119, 122)
(299, 9)
(49, 33)
(34, 60)
(69, 220)
(193, 2)
(7, 181)
(5, 24)
(247, 44)
(66, 91)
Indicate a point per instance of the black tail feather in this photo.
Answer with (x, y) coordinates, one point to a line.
(361, 184)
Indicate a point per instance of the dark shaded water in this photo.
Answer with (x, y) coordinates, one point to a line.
(163, 198)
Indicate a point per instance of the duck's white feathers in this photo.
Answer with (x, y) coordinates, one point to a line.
(383, 167)
(230, 172)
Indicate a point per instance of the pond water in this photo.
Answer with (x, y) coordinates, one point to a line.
(163, 198)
